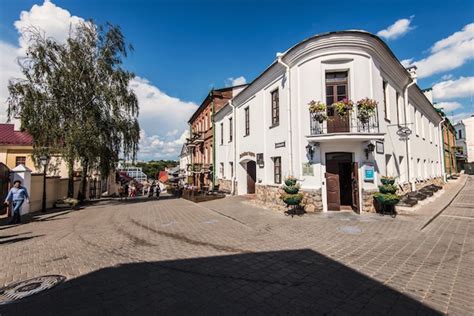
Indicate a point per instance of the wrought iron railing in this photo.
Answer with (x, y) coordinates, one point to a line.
(349, 124)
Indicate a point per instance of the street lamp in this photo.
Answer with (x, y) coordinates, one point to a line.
(44, 160)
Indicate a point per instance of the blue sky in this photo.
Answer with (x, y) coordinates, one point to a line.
(183, 48)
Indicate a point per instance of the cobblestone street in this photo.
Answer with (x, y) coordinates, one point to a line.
(229, 257)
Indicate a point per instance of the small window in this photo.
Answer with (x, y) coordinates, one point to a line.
(222, 133)
(20, 161)
(230, 129)
(399, 120)
(231, 167)
(275, 107)
(222, 170)
(247, 121)
(277, 169)
(459, 134)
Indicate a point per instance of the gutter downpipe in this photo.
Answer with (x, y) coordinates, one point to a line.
(213, 142)
(290, 140)
(441, 150)
(234, 134)
(412, 183)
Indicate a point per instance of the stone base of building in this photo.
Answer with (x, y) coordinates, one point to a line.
(437, 181)
(269, 196)
(225, 185)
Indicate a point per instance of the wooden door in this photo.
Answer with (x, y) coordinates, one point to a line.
(355, 187)
(251, 176)
(336, 90)
(332, 186)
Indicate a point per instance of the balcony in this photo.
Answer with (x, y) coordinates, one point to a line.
(344, 128)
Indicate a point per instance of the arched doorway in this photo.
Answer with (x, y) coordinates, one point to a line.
(251, 176)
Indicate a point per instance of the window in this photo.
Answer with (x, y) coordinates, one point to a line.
(422, 119)
(460, 134)
(277, 169)
(20, 160)
(417, 124)
(222, 133)
(385, 101)
(399, 121)
(275, 108)
(230, 129)
(336, 88)
(430, 131)
(388, 165)
(231, 167)
(247, 121)
(222, 170)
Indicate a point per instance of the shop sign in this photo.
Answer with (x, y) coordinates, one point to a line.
(369, 172)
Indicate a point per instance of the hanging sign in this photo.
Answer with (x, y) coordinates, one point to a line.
(369, 171)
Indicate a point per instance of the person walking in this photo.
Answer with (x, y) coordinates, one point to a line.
(18, 194)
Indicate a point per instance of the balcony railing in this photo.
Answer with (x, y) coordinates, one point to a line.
(345, 124)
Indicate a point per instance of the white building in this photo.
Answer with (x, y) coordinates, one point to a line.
(266, 132)
(184, 161)
(465, 138)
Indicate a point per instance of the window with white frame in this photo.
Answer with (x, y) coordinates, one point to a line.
(385, 100)
(417, 123)
(231, 168)
(397, 99)
(222, 133)
(423, 135)
(222, 170)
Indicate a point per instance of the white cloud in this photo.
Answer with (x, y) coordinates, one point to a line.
(406, 62)
(231, 81)
(160, 114)
(448, 106)
(154, 147)
(454, 89)
(447, 77)
(448, 53)
(397, 29)
(459, 116)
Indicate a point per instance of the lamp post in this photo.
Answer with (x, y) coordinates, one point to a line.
(44, 160)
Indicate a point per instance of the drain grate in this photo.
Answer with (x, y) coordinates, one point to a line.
(18, 290)
(351, 230)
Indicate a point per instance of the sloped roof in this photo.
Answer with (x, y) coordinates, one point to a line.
(8, 136)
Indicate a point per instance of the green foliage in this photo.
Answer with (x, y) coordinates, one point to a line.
(387, 180)
(387, 198)
(343, 107)
(388, 188)
(366, 109)
(151, 168)
(76, 100)
(292, 199)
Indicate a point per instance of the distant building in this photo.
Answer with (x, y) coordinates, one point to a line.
(185, 163)
(201, 140)
(465, 141)
(135, 173)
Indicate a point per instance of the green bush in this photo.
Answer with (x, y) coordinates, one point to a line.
(388, 188)
(290, 182)
(387, 198)
(291, 189)
(292, 199)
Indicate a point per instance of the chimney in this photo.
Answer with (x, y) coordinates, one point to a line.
(412, 71)
(429, 94)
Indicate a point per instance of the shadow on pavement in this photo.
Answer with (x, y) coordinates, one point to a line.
(283, 282)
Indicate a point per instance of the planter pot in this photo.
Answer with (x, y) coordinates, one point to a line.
(290, 182)
(292, 199)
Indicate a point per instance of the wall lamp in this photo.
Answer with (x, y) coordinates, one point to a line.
(370, 149)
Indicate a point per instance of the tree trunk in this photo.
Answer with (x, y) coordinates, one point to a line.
(70, 182)
(82, 189)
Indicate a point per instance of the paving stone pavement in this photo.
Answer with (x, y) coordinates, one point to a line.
(228, 257)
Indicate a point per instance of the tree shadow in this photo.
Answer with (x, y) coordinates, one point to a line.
(282, 282)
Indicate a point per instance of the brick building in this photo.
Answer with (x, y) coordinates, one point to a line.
(201, 140)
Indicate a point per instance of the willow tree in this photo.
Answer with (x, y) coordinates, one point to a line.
(75, 99)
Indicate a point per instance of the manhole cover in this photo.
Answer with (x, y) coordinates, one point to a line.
(351, 230)
(17, 291)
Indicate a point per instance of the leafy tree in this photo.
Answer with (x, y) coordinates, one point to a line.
(76, 100)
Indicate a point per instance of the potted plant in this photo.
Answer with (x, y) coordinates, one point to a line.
(386, 197)
(291, 196)
(366, 109)
(343, 107)
(318, 109)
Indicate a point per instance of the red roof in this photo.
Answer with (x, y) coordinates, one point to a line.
(8, 136)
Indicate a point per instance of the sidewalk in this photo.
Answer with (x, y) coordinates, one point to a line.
(428, 212)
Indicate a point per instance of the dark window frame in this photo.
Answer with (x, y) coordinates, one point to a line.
(222, 133)
(247, 121)
(231, 135)
(21, 159)
(275, 107)
(277, 170)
